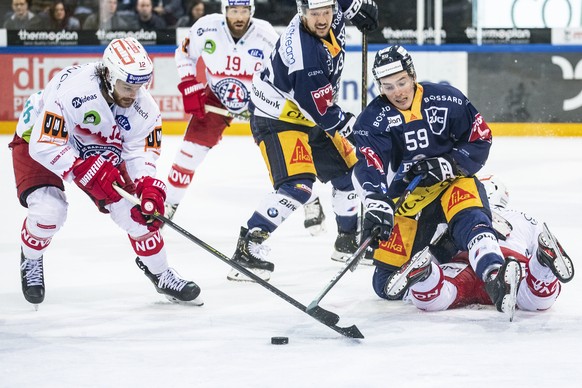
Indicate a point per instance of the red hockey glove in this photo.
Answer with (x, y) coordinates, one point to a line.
(96, 177)
(153, 194)
(193, 96)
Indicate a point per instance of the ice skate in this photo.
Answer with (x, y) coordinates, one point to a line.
(250, 253)
(344, 247)
(172, 286)
(552, 255)
(32, 276)
(415, 270)
(314, 217)
(502, 286)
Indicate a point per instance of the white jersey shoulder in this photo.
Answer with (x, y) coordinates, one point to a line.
(523, 238)
(229, 65)
(75, 121)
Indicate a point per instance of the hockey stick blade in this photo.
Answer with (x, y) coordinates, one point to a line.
(353, 261)
(313, 306)
(323, 316)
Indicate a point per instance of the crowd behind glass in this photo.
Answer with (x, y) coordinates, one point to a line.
(58, 15)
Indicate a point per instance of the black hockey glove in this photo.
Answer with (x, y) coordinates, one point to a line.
(363, 14)
(379, 215)
(347, 127)
(433, 170)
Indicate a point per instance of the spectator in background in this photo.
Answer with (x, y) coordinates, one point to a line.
(169, 10)
(109, 19)
(21, 15)
(83, 8)
(195, 11)
(38, 6)
(60, 18)
(147, 18)
(126, 5)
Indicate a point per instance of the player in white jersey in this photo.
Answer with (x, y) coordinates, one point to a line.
(545, 265)
(300, 128)
(232, 47)
(95, 125)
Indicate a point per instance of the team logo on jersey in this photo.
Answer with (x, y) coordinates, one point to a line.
(372, 159)
(257, 53)
(91, 117)
(480, 130)
(209, 46)
(53, 129)
(437, 119)
(394, 243)
(78, 101)
(323, 98)
(110, 153)
(458, 196)
(232, 93)
(300, 154)
(123, 122)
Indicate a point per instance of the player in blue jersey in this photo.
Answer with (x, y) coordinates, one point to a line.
(421, 128)
(301, 130)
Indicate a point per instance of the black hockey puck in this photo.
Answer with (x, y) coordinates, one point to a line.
(279, 340)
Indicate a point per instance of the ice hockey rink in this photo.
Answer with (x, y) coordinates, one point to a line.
(103, 325)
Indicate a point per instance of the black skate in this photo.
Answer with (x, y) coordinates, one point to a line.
(314, 217)
(32, 276)
(415, 270)
(502, 286)
(552, 255)
(346, 244)
(250, 253)
(174, 288)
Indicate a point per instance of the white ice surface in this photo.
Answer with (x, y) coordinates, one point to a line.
(103, 325)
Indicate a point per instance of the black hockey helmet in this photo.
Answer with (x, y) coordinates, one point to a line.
(303, 5)
(391, 60)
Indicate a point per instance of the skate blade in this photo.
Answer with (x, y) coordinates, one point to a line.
(512, 278)
(562, 264)
(316, 230)
(195, 302)
(340, 257)
(237, 276)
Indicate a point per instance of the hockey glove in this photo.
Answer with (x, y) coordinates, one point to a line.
(193, 96)
(363, 14)
(96, 177)
(152, 193)
(379, 216)
(433, 170)
(348, 125)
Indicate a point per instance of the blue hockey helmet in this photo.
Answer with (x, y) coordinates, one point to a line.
(391, 60)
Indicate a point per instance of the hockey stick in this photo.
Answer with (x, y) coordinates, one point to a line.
(353, 261)
(226, 113)
(326, 317)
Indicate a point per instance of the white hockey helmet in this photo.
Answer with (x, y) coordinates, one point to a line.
(497, 193)
(126, 60)
(392, 60)
(242, 3)
(304, 5)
